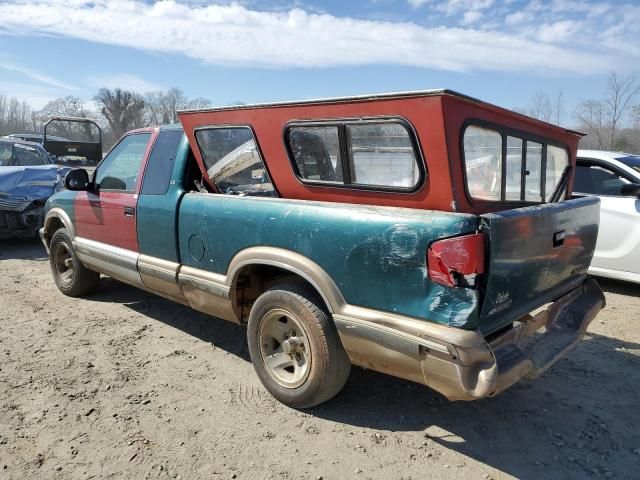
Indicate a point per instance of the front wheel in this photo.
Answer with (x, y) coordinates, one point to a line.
(295, 348)
(71, 276)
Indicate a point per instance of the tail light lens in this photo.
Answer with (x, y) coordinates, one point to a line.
(456, 262)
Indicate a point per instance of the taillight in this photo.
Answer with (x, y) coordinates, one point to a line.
(456, 262)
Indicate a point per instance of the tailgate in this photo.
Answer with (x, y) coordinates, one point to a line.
(536, 254)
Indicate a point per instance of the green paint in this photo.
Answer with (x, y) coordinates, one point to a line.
(375, 255)
(64, 200)
(156, 214)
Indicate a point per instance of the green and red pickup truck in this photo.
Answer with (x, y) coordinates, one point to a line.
(426, 235)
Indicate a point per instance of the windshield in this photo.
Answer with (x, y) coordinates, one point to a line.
(632, 161)
(17, 155)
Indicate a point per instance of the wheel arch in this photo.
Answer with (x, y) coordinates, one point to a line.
(272, 265)
(55, 219)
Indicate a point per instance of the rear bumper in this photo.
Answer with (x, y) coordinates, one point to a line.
(461, 364)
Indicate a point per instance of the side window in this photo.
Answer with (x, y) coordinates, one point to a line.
(121, 167)
(160, 164)
(363, 154)
(316, 151)
(233, 162)
(383, 155)
(514, 168)
(597, 180)
(483, 162)
(557, 162)
(533, 174)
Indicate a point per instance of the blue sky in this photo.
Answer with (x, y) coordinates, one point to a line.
(251, 51)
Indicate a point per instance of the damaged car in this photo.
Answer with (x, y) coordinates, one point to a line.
(28, 178)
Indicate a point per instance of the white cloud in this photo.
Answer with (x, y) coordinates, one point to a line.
(236, 35)
(471, 17)
(558, 31)
(34, 75)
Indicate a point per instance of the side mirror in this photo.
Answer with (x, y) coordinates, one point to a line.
(630, 190)
(77, 180)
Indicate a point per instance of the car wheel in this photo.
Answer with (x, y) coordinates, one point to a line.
(72, 278)
(295, 347)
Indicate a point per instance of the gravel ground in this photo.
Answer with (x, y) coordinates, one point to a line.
(124, 384)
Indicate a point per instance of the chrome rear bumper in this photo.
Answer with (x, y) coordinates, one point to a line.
(461, 364)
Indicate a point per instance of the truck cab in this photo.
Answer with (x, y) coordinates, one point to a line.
(427, 235)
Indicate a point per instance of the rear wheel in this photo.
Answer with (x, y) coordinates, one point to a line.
(71, 277)
(295, 348)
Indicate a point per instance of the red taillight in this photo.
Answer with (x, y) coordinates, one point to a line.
(455, 262)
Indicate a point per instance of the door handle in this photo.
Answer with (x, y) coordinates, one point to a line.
(558, 238)
(129, 212)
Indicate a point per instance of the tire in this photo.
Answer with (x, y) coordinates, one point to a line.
(71, 277)
(295, 347)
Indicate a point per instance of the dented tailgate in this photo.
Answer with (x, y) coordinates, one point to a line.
(536, 254)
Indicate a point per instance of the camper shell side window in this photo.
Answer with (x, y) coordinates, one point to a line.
(233, 161)
(370, 154)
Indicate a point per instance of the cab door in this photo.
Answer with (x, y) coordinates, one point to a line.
(107, 213)
(618, 245)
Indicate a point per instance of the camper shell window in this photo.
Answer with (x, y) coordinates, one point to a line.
(377, 154)
(233, 162)
(503, 165)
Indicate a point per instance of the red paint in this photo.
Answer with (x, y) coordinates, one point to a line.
(437, 120)
(462, 255)
(100, 215)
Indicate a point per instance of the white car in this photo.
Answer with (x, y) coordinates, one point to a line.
(615, 178)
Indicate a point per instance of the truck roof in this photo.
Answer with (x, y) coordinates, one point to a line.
(370, 97)
(329, 100)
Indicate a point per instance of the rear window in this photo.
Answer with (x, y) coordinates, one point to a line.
(362, 154)
(508, 166)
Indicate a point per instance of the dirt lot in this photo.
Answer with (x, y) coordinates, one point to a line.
(127, 385)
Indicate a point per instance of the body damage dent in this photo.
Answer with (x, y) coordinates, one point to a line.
(23, 193)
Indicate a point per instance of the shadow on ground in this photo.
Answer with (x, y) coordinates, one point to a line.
(578, 420)
(27, 249)
(619, 287)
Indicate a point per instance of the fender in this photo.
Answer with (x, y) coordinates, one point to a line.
(292, 262)
(53, 215)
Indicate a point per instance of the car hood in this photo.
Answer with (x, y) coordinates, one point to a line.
(19, 186)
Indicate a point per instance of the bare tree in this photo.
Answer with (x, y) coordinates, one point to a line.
(621, 91)
(547, 108)
(592, 116)
(66, 107)
(123, 109)
(541, 107)
(163, 107)
(200, 102)
(15, 116)
(559, 108)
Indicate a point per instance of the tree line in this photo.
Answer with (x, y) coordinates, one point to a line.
(115, 110)
(610, 120)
